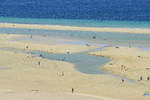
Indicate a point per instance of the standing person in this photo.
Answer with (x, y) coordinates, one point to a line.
(31, 36)
(62, 73)
(27, 47)
(72, 90)
(148, 78)
(141, 78)
(122, 80)
(39, 63)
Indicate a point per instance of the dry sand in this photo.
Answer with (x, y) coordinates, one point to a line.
(129, 62)
(21, 77)
(132, 63)
(48, 96)
(74, 28)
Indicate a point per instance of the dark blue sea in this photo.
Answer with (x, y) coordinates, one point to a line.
(128, 10)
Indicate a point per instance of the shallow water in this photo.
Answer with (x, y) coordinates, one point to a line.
(1, 68)
(83, 62)
(139, 40)
(77, 22)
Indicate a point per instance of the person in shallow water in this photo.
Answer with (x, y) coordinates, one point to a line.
(31, 36)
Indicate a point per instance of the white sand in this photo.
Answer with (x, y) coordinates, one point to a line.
(74, 28)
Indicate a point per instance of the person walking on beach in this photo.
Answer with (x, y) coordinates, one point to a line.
(148, 78)
(122, 80)
(72, 90)
(27, 47)
(141, 78)
(39, 63)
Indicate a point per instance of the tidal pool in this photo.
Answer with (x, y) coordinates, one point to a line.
(83, 62)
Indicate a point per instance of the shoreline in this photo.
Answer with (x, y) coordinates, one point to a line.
(75, 28)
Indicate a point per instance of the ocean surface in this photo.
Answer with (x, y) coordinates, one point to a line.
(133, 10)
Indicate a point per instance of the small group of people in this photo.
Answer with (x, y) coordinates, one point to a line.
(141, 78)
(60, 73)
(123, 68)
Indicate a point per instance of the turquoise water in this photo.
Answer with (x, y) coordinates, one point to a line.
(77, 22)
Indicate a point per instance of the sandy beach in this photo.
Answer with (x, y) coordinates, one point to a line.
(22, 78)
(133, 63)
(129, 62)
(75, 28)
(75, 50)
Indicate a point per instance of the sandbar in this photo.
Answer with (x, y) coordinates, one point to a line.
(76, 28)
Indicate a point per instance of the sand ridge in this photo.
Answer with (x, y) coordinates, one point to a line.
(75, 28)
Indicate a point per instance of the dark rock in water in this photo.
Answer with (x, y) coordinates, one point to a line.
(117, 47)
